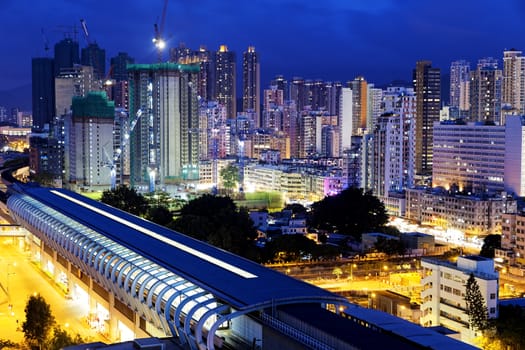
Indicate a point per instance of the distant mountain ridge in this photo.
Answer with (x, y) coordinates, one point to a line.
(19, 97)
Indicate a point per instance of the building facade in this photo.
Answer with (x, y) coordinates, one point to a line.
(251, 82)
(469, 157)
(513, 87)
(514, 151)
(165, 139)
(444, 289)
(459, 88)
(94, 56)
(89, 143)
(42, 91)
(427, 88)
(476, 216)
(225, 80)
(485, 91)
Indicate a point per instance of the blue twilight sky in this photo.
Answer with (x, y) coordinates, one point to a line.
(332, 40)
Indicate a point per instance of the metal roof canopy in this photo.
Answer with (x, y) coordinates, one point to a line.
(237, 281)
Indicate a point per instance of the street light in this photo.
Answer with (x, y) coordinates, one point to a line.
(7, 280)
(352, 271)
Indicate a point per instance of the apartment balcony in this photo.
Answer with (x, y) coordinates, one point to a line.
(426, 291)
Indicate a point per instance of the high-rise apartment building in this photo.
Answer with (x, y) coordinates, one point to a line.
(333, 94)
(94, 56)
(291, 126)
(485, 91)
(165, 139)
(43, 91)
(89, 142)
(118, 70)
(469, 157)
(392, 169)
(514, 155)
(206, 88)
(273, 97)
(427, 87)
(181, 54)
(119, 73)
(225, 80)
(374, 106)
(203, 57)
(70, 82)
(66, 54)
(282, 84)
(513, 90)
(345, 120)
(251, 82)
(359, 88)
(299, 93)
(459, 88)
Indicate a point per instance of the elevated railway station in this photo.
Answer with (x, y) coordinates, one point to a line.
(139, 279)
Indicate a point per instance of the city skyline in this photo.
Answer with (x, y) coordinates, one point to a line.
(335, 41)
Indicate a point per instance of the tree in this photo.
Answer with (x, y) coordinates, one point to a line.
(476, 308)
(7, 344)
(296, 208)
(490, 243)
(351, 212)
(160, 215)
(44, 179)
(62, 339)
(39, 321)
(510, 326)
(125, 198)
(288, 248)
(158, 198)
(337, 271)
(229, 176)
(217, 220)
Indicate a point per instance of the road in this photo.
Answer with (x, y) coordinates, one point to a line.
(19, 279)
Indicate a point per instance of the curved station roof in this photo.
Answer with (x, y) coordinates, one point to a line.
(148, 266)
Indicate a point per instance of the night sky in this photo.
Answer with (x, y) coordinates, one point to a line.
(333, 40)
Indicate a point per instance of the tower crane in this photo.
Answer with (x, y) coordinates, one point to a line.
(158, 40)
(111, 162)
(46, 42)
(85, 30)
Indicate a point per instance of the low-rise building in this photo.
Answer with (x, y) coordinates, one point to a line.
(473, 215)
(368, 240)
(417, 241)
(444, 289)
(513, 237)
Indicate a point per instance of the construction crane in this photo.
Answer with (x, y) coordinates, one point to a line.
(158, 40)
(111, 162)
(46, 42)
(85, 30)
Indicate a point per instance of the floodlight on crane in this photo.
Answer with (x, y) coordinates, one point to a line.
(158, 40)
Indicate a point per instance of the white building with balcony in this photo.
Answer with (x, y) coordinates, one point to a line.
(444, 289)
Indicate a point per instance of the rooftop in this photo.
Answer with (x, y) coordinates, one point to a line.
(236, 280)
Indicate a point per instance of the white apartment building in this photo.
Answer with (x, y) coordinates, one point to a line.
(469, 157)
(444, 289)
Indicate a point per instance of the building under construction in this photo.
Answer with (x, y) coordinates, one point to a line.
(164, 144)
